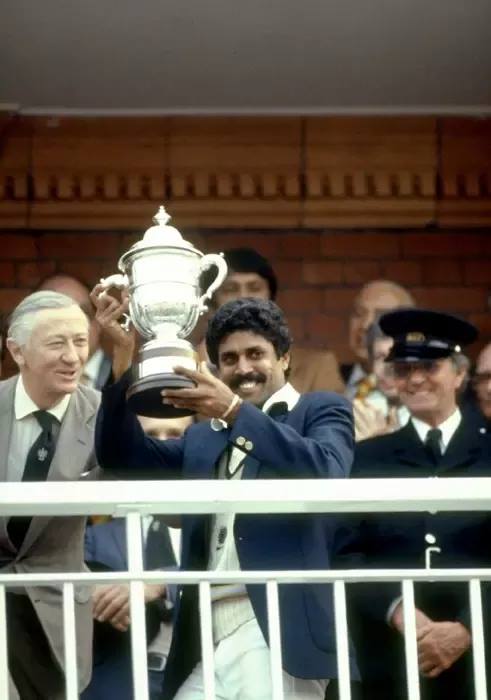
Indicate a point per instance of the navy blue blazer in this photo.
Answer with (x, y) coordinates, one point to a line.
(314, 440)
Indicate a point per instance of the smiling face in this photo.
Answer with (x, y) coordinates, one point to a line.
(52, 360)
(429, 388)
(248, 364)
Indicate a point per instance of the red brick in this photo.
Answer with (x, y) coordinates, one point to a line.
(453, 299)
(15, 246)
(300, 300)
(89, 271)
(441, 245)
(361, 245)
(79, 245)
(323, 273)
(403, 272)
(288, 272)
(7, 274)
(300, 245)
(9, 298)
(32, 273)
(264, 243)
(339, 301)
(477, 272)
(483, 323)
(322, 329)
(356, 272)
(438, 272)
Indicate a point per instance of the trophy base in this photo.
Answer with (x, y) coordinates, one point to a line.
(144, 397)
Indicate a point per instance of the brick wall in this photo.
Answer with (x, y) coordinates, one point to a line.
(319, 271)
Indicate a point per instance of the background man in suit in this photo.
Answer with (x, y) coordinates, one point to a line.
(260, 428)
(251, 275)
(373, 299)
(46, 433)
(438, 441)
(98, 366)
(481, 383)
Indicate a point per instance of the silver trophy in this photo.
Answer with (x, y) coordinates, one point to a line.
(162, 275)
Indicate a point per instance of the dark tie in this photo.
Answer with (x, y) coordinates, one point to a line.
(432, 445)
(37, 466)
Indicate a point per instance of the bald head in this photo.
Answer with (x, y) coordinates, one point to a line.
(373, 299)
(79, 292)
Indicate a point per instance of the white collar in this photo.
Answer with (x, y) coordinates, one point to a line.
(93, 365)
(24, 405)
(448, 428)
(286, 394)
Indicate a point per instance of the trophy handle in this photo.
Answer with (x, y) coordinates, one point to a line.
(117, 280)
(207, 262)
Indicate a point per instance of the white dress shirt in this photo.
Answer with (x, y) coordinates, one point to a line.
(447, 428)
(26, 429)
(223, 553)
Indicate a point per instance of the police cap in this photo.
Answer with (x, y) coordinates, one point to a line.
(421, 334)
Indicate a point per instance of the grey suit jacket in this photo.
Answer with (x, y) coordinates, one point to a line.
(56, 544)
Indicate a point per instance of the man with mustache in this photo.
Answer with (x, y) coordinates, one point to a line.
(259, 428)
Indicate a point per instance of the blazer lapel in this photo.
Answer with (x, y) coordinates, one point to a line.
(74, 446)
(7, 393)
(410, 449)
(463, 449)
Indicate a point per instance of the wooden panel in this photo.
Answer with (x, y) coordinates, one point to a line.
(102, 173)
(465, 172)
(380, 169)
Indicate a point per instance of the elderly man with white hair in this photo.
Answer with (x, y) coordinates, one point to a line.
(46, 434)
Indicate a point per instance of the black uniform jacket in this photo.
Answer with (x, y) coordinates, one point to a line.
(400, 540)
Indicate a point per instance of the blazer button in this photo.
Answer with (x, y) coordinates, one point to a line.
(248, 445)
(241, 441)
(429, 538)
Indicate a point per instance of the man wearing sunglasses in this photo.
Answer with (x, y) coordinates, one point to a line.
(438, 441)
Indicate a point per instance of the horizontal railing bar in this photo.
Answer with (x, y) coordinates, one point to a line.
(189, 577)
(259, 496)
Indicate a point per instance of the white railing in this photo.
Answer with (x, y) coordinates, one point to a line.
(134, 499)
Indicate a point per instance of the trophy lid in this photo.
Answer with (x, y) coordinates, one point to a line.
(161, 234)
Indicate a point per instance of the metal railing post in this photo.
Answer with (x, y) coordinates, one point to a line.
(4, 671)
(478, 646)
(410, 643)
(137, 607)
(207, 646)
(342, 644)
(70, 642)
(274, 639)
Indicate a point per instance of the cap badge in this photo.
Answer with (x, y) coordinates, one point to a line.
(415, 337)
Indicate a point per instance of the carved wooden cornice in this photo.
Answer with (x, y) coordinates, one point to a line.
(245, 172)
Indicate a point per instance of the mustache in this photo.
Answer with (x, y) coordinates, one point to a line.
(250, 377)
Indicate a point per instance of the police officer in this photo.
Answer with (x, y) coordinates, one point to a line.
(437, 441)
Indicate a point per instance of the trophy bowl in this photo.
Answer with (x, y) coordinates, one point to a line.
(162, 275)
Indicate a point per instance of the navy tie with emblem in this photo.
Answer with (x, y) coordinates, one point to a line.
(37, 467)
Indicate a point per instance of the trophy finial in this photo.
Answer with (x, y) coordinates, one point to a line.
(161, 217)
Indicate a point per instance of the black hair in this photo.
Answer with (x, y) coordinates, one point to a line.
(260, 316)
(246, 260)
